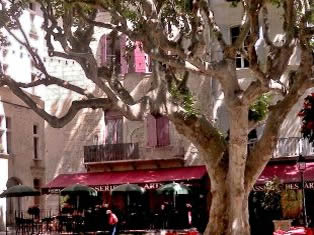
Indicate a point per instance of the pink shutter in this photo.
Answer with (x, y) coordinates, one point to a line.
(151, 131)
(139, 57)
(119, 131)
(163, 131)
(109, 50)
(123, 61)
(109, 132)
(103, 48)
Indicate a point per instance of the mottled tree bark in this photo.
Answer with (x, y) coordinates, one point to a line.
(220, 216)
(237, 163)
(218, 220)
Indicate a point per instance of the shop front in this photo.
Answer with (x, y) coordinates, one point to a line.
(280, 193)
(148, 210)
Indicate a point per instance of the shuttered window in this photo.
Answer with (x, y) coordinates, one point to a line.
(157, 131)
(139, 58)
(113, 128)
(138, 61)
(110, 52)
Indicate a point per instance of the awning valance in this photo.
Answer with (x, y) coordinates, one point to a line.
(288, 175)
(104, 181)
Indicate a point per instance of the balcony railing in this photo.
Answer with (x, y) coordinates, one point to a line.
(110, 152)
(290, 147)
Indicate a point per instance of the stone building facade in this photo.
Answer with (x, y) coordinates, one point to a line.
(22, 153)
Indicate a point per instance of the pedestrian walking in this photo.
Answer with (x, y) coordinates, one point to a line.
(112, 221)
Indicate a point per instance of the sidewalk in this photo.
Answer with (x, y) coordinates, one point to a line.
(130, 232)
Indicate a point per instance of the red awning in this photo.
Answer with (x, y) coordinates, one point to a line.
(122, 177)
(286, 173)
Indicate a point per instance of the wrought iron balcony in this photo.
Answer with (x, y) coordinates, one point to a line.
(111, 152)
(290, 147)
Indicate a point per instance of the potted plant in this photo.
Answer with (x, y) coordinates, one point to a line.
(285, 203)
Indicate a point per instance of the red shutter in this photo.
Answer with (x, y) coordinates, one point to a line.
(151, 131)
(124, 63)
(162, 131)
(139, 57)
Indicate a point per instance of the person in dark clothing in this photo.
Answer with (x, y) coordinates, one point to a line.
(163, 215)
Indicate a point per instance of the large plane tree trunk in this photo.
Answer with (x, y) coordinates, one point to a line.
(229, 205)
(220, 216)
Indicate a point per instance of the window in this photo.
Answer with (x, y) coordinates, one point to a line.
(32, 6)
(113, 128)
(33, 79)
(34, 9)
(35, 130)
(241, 62)
(111, 52)
(8, 134)
(5, 135)
(37, 185)
(5, 67)
(95, 140)
(157, 131)
(35, 142)
(116, 52)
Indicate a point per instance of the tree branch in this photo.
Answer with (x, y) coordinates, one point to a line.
(262, 152)
(53, 120)
(213, 25)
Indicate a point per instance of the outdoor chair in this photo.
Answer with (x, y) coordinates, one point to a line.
(47, 224)
(19, 223)
(78, 224)
(64, 223)
(23, 225)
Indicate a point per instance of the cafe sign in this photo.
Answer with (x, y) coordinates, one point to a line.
(287, 186)
(108, 188)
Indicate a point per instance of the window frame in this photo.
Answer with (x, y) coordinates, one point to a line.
(244, 64)
(138, 61)
(154, 125)
(116, 118)
(6, 134)
(36, 142)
